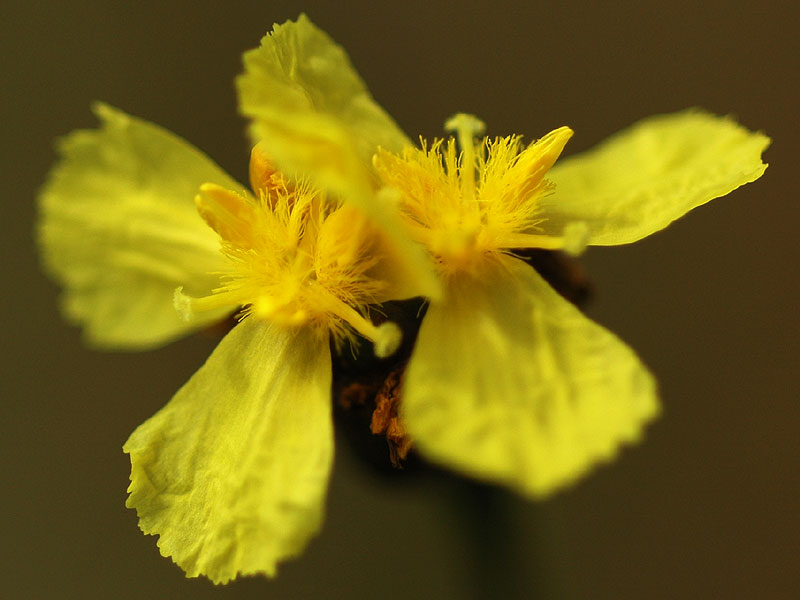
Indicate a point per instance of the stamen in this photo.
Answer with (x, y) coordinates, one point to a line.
(576, 237)
(467, 127)
(386, 337)
(530, 240)
(187, 306)
(572, 241)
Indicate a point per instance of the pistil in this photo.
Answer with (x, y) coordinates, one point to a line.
(467, 128)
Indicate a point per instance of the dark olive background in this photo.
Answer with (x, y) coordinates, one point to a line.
(706, 507)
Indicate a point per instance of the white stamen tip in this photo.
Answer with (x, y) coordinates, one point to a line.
(576, 237)
(465, 124)
(387, 339)
(183, 304)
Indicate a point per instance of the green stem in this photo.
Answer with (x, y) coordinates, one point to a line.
(506, 558)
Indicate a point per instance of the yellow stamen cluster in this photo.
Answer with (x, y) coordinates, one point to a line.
(469, 205)
(296, 258)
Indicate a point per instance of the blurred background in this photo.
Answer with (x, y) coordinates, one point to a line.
(707, 506)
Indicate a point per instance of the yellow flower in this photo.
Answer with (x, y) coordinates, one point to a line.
(152, 241)
(507, 381)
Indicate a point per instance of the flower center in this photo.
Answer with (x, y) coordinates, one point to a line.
(296, 258)
(467, 200)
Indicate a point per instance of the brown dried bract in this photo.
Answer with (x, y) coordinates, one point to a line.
(386, 420)
(384, 395)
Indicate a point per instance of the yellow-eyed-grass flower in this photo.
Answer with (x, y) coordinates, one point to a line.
(507, 381)
(151, 241)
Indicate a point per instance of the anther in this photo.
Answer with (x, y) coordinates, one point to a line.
(387, 339)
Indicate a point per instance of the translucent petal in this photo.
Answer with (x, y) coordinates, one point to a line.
(311, 108)
(232, 473)
(403, 265)
(119, 230)
(640, 180)
(511, 383)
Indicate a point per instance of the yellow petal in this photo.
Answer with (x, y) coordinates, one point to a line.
(311, 108)
(232, 473)
(119, 230)
(313, 114)
(645, 177)
(232, 215)
(511, 383)
(526, 175)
